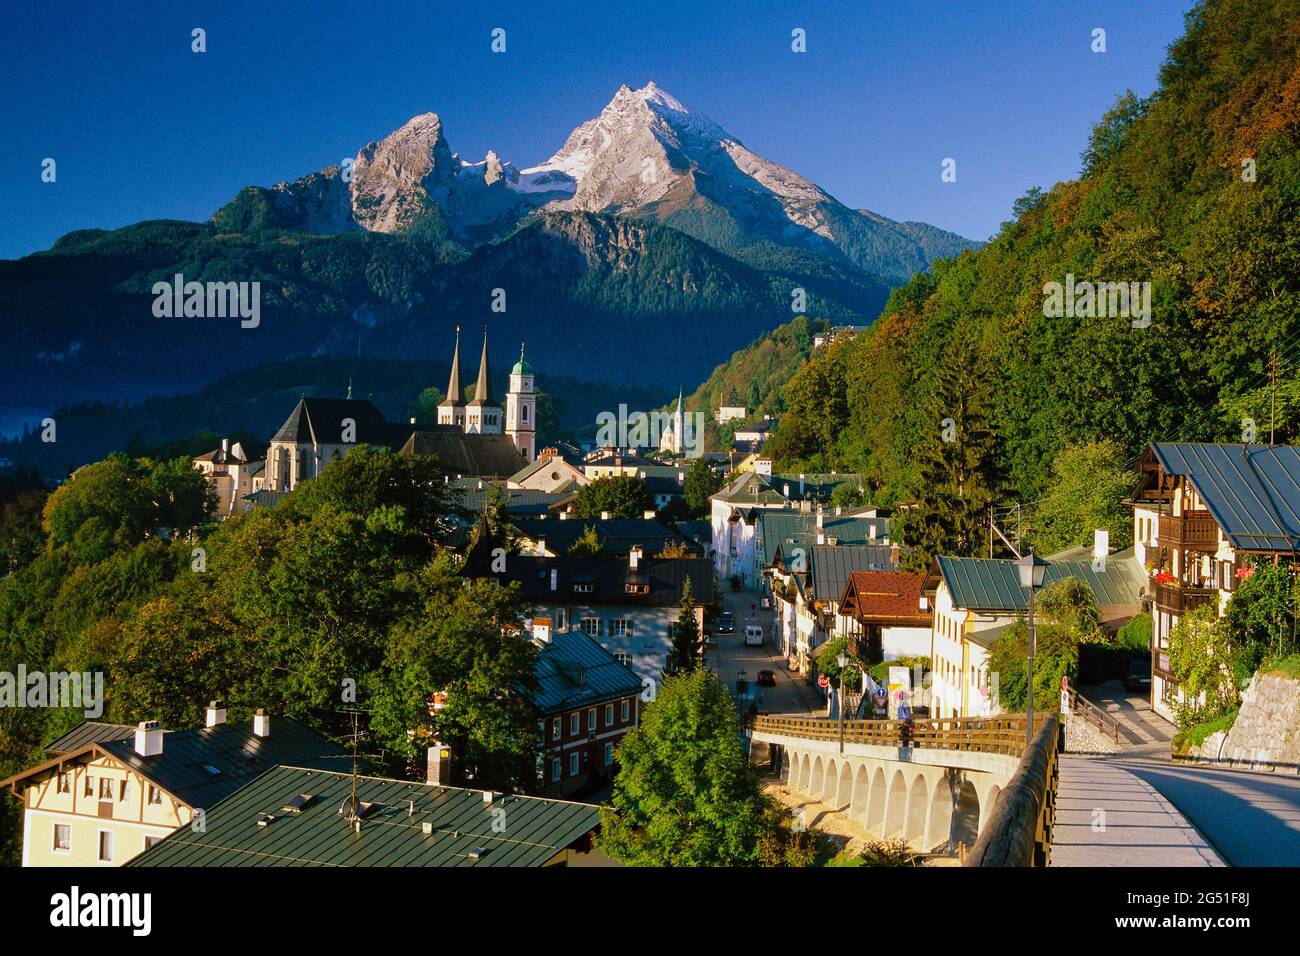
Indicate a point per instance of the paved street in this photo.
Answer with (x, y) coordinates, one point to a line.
(728, 654)
(1106, 816)
(1253, 819)
(1146, 733)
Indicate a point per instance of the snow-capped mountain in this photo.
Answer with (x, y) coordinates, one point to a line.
(645, 155)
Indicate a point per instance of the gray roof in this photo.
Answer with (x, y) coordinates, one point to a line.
(462, 824)
(574, 671)
(983, 584)
(784, 529)
(88, 732)
(320, 420)
(1253, 491)
(483, 456)
(237, 755)
(519, 501)
(619, 535)
(831, 566)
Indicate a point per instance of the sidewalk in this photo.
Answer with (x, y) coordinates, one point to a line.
(1106, 816)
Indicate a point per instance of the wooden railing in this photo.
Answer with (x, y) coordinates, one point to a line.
(1094, 715)
(1018, 831)
(1003, 734)
(1194, 529)
(1180, 600)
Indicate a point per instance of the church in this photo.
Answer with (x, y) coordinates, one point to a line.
(482, 415)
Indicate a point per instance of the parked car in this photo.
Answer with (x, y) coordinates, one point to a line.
(753, 635)
(1139, 675)
(766, 679)
(726, 623)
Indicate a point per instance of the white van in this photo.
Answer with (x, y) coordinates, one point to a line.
(753, 635)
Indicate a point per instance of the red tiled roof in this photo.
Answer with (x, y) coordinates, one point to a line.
(884, 595)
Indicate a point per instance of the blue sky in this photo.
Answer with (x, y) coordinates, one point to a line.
(143, 128)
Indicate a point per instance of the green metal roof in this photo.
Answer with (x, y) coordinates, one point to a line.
(981, 584)
(574, 671)
(88, 732)
(464, 830)
(1253, 491)
(786, 529)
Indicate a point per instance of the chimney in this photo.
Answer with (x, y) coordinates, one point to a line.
(648, 514)
(438, 771)
(412, 419)
(148, 738)
(785, 489)
(604, 516)
(820, 520)
(261, 723)
(924, 605)
(634, 557)
(225, 446)
(871, 533)
(801, 483)
(564, 516)
(215, 714)
(542, 629)
(1100, 543)
(893, 556)
(541, 547)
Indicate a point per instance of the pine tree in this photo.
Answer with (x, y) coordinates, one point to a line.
(685, 654)
(958, 474)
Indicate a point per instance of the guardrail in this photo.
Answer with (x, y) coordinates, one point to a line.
(1018, 831)
(1003, 734)
(1094, 715)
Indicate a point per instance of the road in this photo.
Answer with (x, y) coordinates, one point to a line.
(729, 654)
(1251, 818)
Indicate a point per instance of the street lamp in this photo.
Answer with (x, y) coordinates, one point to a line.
(1031, 569)
(843, 661)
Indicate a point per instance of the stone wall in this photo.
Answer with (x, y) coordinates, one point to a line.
(1267, 731)
(1082, 737)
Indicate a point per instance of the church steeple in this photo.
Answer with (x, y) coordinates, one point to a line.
(453, 385)
(483, 390)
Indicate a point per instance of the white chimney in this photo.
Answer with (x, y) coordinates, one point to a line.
(541, 547)
(924, 604)
(438, 771)
(1100, 543)
(821, 536)
(412, 419)
(215, 714)
(542, 629)
(634, 557)
(564, 516)
(225, 446)
(820, 520)
(785, 489)
(604, 516)
(801, 482)
(872, 532)
(148, 738)
(648, 514)
(261, 723)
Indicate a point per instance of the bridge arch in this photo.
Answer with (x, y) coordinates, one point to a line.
(986, 805)
(966, 815)
(859, 801)
(818, 780)
(938, 827)
(876, 801)
(843, 794)
(896, 805)
(918, 802)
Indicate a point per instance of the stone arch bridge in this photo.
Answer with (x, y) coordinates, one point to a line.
(932, 783)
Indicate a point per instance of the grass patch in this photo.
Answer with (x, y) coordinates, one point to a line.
(1191, 738)
(1290, 666)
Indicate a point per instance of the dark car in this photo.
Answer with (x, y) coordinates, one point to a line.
(1139, 674)
(726, 623)
(766, 679)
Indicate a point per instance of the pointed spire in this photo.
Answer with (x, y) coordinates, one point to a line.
(349, 388)
(453, 385)
(483, 390)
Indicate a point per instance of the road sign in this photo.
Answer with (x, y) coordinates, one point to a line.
(823, 681)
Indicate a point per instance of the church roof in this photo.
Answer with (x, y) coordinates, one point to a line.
(483, 388)
(522, 367)
(453, 384)
(321, 421)
(483, 456)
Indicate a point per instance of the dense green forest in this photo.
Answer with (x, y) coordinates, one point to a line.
(1194, 190)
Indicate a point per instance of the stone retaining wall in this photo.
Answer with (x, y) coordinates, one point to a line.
(1267, 730)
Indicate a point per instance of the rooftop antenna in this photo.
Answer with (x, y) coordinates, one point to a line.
(348, 811)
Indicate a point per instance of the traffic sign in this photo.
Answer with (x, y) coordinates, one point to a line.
(823, 681)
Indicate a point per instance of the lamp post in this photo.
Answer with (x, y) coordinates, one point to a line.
(843, 661)
(1031, 569)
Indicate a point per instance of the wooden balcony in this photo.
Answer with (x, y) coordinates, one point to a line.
(1180, 600)
(1194, 530)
